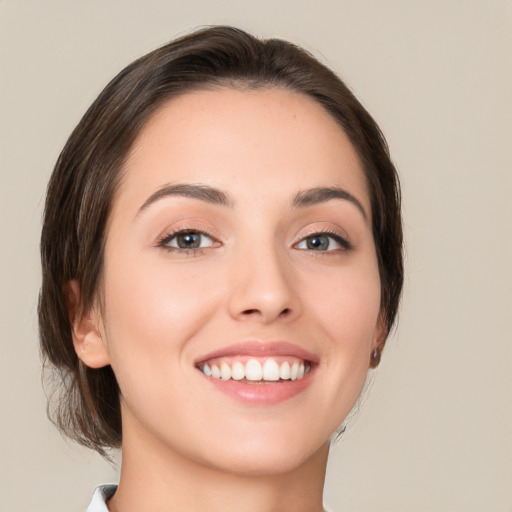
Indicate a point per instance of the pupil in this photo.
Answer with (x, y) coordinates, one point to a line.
(188, 240)
(318, 243)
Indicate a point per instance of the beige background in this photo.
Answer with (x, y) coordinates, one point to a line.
(435, 433)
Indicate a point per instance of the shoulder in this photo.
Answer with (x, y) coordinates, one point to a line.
(100, 497)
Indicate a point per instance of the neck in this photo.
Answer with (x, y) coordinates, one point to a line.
(158, 479)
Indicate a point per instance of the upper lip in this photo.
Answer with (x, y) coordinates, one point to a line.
(261, 349)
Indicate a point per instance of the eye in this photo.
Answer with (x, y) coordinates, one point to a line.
(323, 242)
(186, 240)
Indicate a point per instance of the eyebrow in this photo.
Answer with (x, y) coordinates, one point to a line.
(208, 194)
(202, 192)
(319, 195)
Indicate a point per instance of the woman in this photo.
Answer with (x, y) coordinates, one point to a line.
(221, 256)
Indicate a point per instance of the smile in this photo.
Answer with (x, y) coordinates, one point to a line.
(259, 373)
(251, 369)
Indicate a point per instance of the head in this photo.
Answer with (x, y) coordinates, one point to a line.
(90, 172)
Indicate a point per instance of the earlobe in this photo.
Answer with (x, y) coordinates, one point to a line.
(88, 341)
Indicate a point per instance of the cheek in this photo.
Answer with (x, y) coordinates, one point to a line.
(347, 308)
(153, 296)
(153, 310)
(348, 304)
(152, 318)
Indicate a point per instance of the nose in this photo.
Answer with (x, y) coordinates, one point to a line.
(262, 287)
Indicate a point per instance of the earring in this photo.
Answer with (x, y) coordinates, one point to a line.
(375, 357)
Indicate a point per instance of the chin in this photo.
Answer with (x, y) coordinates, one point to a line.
(265, 450)
(266, 462)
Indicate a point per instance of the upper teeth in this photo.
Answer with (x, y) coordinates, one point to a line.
(254, 370)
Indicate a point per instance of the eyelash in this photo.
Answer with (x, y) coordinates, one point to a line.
(165, 240)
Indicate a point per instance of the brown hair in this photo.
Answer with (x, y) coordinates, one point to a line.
(87, 172)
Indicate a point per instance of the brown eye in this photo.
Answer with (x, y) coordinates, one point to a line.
(189, 240)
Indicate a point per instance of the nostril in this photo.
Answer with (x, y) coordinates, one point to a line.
(284, 312)
(250, 311)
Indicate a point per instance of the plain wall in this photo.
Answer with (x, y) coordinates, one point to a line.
(435, 433)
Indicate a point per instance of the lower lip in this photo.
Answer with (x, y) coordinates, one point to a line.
(257, 393)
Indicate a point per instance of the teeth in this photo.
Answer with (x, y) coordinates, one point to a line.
(270, 370)
(237, 371)
(284, 371)
(253, 370)
(215, 371)
(293, 371)
(225, 372)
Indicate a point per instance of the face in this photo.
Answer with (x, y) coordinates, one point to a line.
(241, 290)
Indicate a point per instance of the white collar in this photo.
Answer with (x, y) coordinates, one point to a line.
(100, 497)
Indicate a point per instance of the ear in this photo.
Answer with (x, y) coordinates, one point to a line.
(379, 340)
(88, 340)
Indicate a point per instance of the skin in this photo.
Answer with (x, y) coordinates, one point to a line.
(187, 446)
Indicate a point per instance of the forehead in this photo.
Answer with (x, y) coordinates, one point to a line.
(245, 141)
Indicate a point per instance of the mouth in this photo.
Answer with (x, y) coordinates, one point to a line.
(259, 373)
